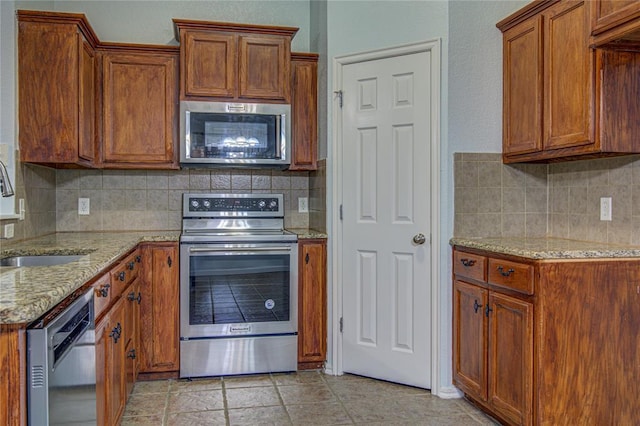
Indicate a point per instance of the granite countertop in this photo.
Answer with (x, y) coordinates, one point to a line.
(548, 248)
(305, 233)
(26, 293)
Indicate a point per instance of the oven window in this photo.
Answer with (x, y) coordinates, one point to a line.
(238, 289)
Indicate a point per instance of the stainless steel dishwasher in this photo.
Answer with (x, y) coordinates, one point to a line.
(61, 368)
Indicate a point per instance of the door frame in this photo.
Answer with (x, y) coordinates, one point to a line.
(432, 46)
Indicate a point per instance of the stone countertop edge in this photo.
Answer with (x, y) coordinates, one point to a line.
(548, 248)
(27, 293)
(304, 233)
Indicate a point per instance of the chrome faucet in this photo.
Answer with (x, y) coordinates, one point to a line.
(5, 184)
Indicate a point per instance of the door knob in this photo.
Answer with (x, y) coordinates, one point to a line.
(419, 239)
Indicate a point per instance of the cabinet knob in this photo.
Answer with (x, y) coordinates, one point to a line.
(132, 354)
(132, 264)
(487, 309)
(121, 276)
(476, 306)
(103, 291)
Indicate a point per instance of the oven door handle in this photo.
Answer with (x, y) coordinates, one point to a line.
(236, 249)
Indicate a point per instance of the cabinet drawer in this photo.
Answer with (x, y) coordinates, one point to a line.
(102, 294)
(469, 265)
(125, 273)
(511, 275)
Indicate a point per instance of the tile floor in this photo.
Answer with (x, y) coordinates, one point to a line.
(305, 398)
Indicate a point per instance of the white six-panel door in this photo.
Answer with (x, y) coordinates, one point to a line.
(386, 138)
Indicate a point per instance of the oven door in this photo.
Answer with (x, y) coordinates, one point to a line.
(238, 290)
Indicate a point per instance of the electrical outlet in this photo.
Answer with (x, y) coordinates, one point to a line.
(21, 210)
(8, 231)
(605, 208)
(84, 206)
(303, 205)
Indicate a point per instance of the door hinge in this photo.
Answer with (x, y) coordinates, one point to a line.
(341, 325)
(340, 211)
(339, 93)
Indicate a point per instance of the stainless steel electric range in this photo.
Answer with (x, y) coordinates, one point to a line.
(238, 286)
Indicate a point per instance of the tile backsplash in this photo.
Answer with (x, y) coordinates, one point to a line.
(152, 200)
(493, 199)
(146, 200)
(557, 200)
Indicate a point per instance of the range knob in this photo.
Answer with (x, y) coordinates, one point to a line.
(206, 203)
(195, 204)
(262, 204)
(273, 204)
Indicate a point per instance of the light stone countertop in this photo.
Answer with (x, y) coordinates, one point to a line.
(304, 233)
(548, 248)
(26, 293)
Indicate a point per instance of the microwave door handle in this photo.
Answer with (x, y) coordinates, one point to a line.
(280, 138)
(236, 249)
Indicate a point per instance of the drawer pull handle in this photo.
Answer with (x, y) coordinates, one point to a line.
(476, 306)
(104, 290)
(487, 309)
(121, 276)
(505, 273)
(131, 265)
(468, 262)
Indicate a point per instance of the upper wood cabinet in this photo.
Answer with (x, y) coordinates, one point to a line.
(56, 88)
(91, 104)
(559, 93)
(234, 61)
(139, 106)
(304, 111)
(615, 23)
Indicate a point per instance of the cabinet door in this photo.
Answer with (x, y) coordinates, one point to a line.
(132, 325)
(312, 297)
(569, 65)
(209, 65)
(115, 368)
(304, 111)
(470, 339)
(523, 88)
(606, 14)
(510, 390)
(48, 92)
(159, 310)
(264, 67)
(139, 110)
(86, 104)
(103, 393)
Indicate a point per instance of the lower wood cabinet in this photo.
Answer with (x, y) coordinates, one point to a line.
(117, 343)
(493, 349)
(160, 309)
(550, 342)
(312, 303)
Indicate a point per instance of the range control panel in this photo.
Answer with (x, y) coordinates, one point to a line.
(232, 204)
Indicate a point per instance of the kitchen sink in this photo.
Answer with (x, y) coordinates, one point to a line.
(39, 260)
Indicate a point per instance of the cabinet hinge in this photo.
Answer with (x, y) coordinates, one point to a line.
(341, 324)
(340, 211)
(339, 93)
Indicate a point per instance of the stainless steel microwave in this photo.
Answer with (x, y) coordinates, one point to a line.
(235, 134)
